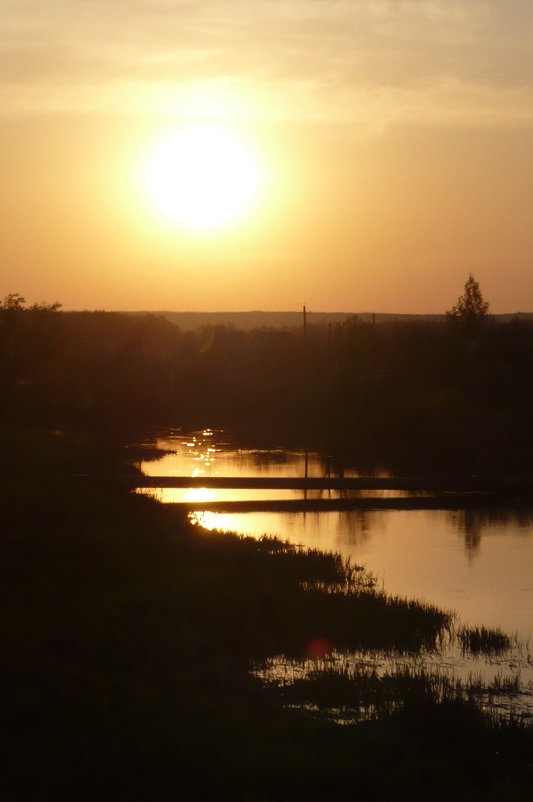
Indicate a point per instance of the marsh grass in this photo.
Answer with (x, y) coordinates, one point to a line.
(368, 693)
(360, 692)
(480, 640)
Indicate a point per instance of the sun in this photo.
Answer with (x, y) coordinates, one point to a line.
(202, 177)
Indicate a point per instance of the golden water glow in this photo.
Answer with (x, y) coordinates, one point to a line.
(199, 495)
(202, 177)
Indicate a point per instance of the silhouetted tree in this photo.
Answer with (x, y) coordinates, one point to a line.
(14, 302)
(470, 305)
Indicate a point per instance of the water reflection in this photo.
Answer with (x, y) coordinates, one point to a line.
(416, 553)
(475, 561)
(473, 523)
(501, 685)
(350, 528)
(210, 453)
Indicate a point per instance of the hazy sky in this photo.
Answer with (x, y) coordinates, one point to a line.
(394, 140)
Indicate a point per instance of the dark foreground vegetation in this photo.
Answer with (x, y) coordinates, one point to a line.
(128, 639)
(443, 397)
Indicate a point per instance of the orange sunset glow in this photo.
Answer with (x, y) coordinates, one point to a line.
(363, 156)
(266, 430)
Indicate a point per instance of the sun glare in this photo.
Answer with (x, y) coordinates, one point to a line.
(202, 177)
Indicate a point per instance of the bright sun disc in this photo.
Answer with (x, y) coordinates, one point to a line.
(202, 177)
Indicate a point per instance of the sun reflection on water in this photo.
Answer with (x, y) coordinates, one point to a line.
(198, 495)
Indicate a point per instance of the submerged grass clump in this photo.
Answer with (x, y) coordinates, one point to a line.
(482, 641)
(361, 692)
(366, 693)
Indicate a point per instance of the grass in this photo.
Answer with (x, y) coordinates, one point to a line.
(483, 641)
(364, 693)
(128, 638)
(360, 692)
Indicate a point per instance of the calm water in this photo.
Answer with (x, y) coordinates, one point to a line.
(477, 563)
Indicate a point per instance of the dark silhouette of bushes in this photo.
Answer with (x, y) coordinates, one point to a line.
(430, 395)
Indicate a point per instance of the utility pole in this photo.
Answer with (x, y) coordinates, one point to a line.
(306, 386)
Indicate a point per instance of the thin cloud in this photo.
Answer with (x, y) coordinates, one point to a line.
(440, 60)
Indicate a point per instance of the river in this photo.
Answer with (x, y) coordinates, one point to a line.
(477, 562)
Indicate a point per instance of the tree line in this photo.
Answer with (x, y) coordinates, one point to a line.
(438, 396)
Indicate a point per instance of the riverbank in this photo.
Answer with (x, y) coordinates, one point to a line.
(130, 639)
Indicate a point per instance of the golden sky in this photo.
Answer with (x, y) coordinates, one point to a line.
(393, 140)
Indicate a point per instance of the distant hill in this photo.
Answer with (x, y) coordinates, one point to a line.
(190, 321)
